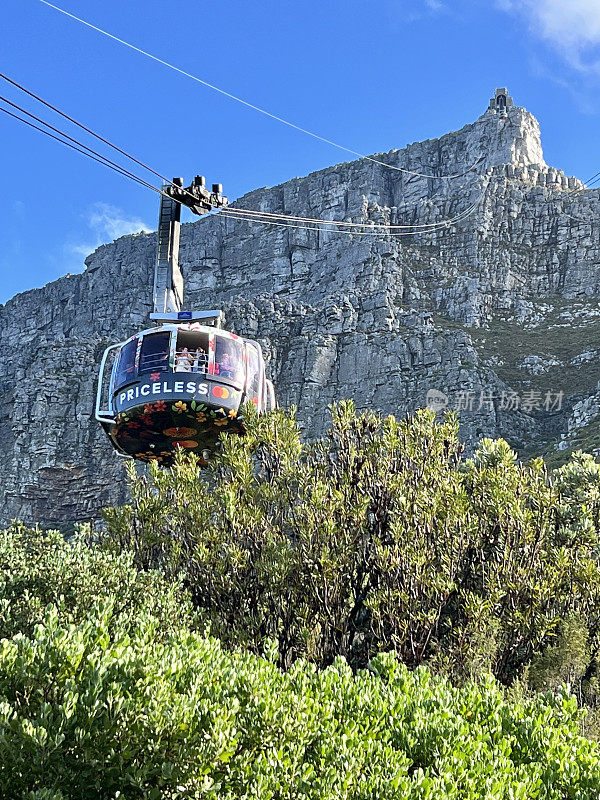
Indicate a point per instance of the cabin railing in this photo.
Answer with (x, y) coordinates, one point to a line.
(154, 362)
(104, 415)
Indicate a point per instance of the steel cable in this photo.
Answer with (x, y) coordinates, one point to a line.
(254, 107)
(100, 159)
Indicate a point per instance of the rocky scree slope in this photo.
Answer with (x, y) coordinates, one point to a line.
(502, 304)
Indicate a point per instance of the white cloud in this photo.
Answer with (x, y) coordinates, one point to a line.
(412, 11)
(571, 26)
(82, 249)
(110, 222)
(106, 223)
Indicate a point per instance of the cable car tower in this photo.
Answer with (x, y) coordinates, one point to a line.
(178, 385)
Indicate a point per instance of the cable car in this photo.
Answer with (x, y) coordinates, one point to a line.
(177, 387)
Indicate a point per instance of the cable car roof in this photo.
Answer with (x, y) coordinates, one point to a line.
(192, 327)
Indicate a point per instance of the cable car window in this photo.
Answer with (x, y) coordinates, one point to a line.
(191, 353)
(254, 374)
(229, 365)
(126, 368)
(154, 355)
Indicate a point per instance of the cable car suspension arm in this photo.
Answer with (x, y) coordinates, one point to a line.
(168, 279)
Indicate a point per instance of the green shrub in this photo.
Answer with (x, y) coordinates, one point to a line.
(378, 537)
(102, 708)
(40, 567)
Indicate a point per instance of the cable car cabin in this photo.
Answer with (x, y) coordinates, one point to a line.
(177, 387)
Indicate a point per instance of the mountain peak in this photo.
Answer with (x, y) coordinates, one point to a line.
(510, 133)
(505, 134)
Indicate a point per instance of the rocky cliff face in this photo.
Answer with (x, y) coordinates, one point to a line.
(496, 316)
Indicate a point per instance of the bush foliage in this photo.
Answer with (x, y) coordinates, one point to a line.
(307, 561)
(101, 701)
(380, 537)
(37, 569)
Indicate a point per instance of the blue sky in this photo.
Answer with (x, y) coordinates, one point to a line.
(371, 76)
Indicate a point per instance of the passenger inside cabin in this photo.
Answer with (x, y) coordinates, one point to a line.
(229, 359)
(226, 368)
(183, 361)
(199, 360)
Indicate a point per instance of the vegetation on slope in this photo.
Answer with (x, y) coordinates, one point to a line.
(108, 699)
(221, 636)
(379, 538)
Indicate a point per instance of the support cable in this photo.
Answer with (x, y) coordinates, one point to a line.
(254, 107)
(594, 179)
(280, 216)
(94, 153)
(108, 161)
(100, 160)
(231, 213)
(84, 127)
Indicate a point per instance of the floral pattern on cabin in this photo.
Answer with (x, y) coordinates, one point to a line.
(172, 426)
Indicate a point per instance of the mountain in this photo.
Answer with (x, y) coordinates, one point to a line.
(497, 313)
